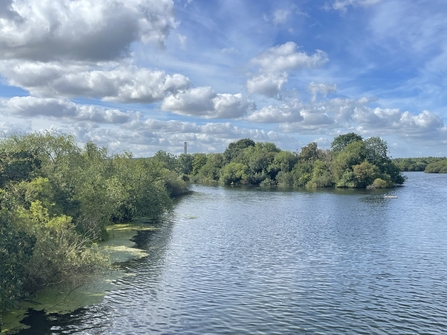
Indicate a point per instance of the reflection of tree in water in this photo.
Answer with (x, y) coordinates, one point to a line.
(41, 323)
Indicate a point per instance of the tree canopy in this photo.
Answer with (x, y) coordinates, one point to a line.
(352, 162)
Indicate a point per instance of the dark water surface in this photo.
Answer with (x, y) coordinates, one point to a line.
(234, 261)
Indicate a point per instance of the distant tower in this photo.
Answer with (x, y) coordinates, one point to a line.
(186, 148)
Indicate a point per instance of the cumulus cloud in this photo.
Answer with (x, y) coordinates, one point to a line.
(274, 64)
(423, 126)
(289, 112)
(63, 109)
(144, 138)
(82, 29)
(269, 84)
(120, 84)
(204, 102)
(9, 128)
(285, 57)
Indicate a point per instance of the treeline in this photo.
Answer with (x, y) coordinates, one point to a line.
(437, 167)
(56, 200)
(352, 162)
(421, 164)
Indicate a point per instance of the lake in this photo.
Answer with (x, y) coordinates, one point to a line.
(249, 261)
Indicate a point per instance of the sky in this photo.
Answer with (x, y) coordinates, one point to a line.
(149, 75)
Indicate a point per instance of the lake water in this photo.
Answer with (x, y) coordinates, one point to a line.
(247, 261)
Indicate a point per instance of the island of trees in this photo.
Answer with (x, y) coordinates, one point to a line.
(352, 162)
(56, 199)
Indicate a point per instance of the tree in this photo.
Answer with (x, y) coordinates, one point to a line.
(309, 153)
(185, 163)
(234, 173)
(376, 151)
(199, 161)
(210, 172)
(235, 148)
(354, 153)
(283, 161)
(365, 173)
(342, 141)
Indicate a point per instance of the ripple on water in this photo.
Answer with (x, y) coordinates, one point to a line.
(255, 262)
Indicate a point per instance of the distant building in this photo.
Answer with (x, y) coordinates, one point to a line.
(186, 148)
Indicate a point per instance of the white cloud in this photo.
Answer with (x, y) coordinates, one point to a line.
(290, 112)
(204, 102)
(63, 109)
(325, 89)
(144, 138)
(274, 64)
(269, 84)
(280, 16)
(9, 128)
(342, 5)
(82, 29)
(120, 84)
(285, 57)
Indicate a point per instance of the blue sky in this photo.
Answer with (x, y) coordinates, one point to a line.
(148, 75)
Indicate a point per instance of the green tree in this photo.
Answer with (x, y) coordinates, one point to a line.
(321, 176)
(376, 151)
(354, 153)
(234, 173)
(342, 141)
(235, 148)
(210, 172)
(198, 162)
(365, 173)
(309, 153)
(185, 163)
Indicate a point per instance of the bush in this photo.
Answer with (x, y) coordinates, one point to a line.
(378, 183)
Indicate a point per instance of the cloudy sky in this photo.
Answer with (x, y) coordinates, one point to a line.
(148, 75)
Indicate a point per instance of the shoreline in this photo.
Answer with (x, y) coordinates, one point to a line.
(62, 300)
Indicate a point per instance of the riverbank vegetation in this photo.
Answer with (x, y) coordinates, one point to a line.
(56, 200)
(352, 162)
(427, 164)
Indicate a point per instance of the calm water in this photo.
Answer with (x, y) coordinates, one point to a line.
(234, 261)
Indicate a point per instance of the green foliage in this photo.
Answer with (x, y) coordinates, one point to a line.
(209, 173)
(60, 255)
(284, 179)
(283, 161)
(199, 161)
(184, 164)
(415, 164)
(234, 173)
(352, 162)
(57, 200)
(437, 167)
(17, 166)
(321, 176)
(376, 151)
(365, 173)
(354, 153)
(378, 183)
(16, 250)
(167, 160)
(235, 148)
(309, 153)
(342, 141)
